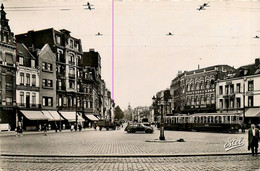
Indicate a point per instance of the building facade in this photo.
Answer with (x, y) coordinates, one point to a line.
(239, 93)
(7, 73)
(194, 91)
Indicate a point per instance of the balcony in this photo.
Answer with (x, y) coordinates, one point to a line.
(72, 75)
(27, 88)
(24, 105)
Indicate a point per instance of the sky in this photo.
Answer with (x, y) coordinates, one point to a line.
(145, 58)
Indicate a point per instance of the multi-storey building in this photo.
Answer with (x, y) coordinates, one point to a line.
(27, 89)
(68, 52)
(194, 91)
(7, 73)
(239, 93)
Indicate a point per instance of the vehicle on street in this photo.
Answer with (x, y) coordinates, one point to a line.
(220, 122)
(132, 128)
(104, 123)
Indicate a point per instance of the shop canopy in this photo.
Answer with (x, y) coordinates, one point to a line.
(253, 112)
(71, 116)
(34, 115)
(92, 117)
(52, 115)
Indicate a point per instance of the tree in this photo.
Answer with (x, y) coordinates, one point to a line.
(119, 114)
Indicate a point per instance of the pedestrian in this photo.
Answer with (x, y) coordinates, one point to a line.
(19, 129)
(64, 127)
(80, 127)
(75, 126)
(49, 127)
(56, 127)
(253, 137)
(45, 129)
(71, 127)
(95, 126)
(40, 127)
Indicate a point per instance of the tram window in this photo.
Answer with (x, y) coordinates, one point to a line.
(204, 119)
(228, 118)
(216, 119)
(211, 119)
(220, 119)
(208, 120)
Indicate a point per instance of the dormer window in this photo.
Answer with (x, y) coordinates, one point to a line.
(33, 63)
(58, 39)
(71, 43)
(21, 60)
(245, 72)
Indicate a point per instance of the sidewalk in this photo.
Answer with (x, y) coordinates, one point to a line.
(13, 133)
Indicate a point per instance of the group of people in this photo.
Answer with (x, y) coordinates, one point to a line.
(75, 127)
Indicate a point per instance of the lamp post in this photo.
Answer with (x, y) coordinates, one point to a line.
(162, 100)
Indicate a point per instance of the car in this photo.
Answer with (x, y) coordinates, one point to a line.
(146, 123)
(132, 128)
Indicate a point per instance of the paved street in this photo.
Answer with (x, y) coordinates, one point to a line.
(84, 150)
(249, 163)
(119, 142)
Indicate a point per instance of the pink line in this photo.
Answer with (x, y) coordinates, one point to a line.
(113, 49)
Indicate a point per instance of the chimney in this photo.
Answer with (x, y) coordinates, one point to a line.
(257, 62)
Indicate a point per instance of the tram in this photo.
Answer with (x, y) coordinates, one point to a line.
(218, 122)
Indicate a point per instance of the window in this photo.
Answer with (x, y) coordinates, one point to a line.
(49, 67)
(22, 98)
(20, 60)
(207, 84)
(208, 99)
(50, 101)
(49, 83)
(250, 101)
(220, 90)
(192, 86)
(197, 86)
(238, 100)
(60, 101)
(71, 84)
(22, 78)
(202, 85)
(212, 84)
(202, 99)
(43, 66)
(44, 82)
(47, 101)
(59, 84)
(27, 79)
(238, 88)
(251, 85)
(212, 98)
(71, 43)
(232, 88)
(71, 59)
(226, 89)
(34, 99)
(227, 103)
(220, 103)
(33, 80)
(231, 103)
(58, 39)
(59, 55)
(33, 63)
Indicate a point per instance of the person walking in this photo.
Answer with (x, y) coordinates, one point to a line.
(45, 129)
(253, 138)
(56, 127)
(71, 127)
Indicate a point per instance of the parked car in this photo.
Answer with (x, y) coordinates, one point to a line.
(147, 123)
(132, 128)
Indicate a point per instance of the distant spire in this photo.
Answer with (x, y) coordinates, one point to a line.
(2, 7)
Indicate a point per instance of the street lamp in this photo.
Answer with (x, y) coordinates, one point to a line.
(162, 100)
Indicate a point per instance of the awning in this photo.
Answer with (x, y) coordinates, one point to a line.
(52, 115)
(92, 117)
(55, 115)
(253, 112)
(71, 116)
(48, 115)
(34, 115)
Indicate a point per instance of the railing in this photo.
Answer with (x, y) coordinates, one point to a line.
(24, 105)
